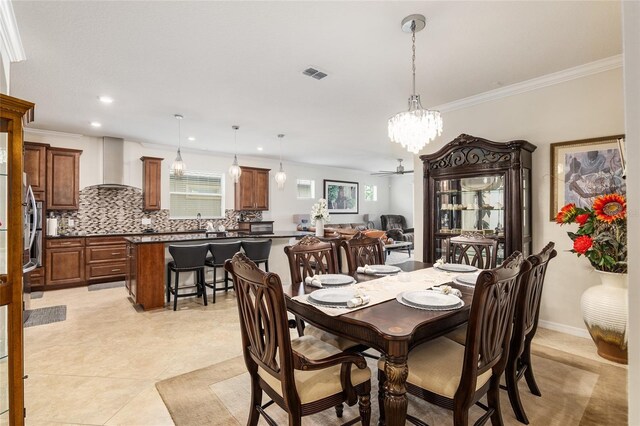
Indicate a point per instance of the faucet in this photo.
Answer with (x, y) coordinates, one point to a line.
(198, 217)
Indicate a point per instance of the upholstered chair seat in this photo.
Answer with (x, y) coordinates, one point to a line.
(315, 385)
(459, 335)
(437, 367)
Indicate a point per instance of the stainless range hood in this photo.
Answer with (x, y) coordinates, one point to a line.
(112, 163)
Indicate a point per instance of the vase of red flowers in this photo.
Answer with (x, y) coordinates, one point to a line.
(601, 237)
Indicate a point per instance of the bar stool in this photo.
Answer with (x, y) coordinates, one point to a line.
(220, 252)
(258, 251)
(187, 258)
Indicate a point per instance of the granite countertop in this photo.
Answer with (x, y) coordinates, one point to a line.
(183, 237)
(125, 234)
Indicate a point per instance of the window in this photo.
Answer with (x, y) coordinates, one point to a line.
(306, 189)
(196, 192)
(370, 193)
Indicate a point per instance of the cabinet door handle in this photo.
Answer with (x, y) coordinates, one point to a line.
(66, 243)
(114, 254)
(115, 270)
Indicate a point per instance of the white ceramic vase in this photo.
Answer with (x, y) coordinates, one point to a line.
(319, 228)
(605, 312)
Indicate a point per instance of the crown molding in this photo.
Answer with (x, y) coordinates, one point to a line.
(52, 133)
(9, 34)
(580, 71)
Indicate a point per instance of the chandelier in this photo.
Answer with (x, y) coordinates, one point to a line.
(235, 171)
(281, 176)
(178, 167)
(415, 128)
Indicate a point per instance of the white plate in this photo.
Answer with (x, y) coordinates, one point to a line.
(456, 267)
(335, 279)
(332, 297)
(402, 301)
(431, 299)
(384, 269)
(466, 279)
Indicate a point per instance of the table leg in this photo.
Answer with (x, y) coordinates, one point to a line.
(395, 399)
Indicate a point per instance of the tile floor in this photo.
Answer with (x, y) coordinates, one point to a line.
(99, 366)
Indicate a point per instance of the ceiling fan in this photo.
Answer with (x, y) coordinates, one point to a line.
(399, 170)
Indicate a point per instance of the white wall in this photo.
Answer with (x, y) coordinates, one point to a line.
(631, 31)
(583, 108)
(283, 203)
(401, 196)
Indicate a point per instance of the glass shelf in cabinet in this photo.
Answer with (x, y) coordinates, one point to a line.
(467, 191)
(462, 210)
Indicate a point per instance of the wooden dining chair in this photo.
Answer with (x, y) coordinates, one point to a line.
(454, 376)
(362, 250)
(472, 249)
(309, 257)
(303, 376)
(525, 324)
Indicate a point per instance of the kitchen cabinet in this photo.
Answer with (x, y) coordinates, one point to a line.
(146, 274)
(151, 182)
(65, 264)
(252, 189)
(35, 166)
(63, 178)
(473, 185)
(106, 259)
(13, 114)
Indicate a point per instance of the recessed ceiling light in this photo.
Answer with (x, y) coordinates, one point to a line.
(260, 148)
(191, 138)
(96, 124)
(105, 99)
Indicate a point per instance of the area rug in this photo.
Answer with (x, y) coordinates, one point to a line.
(103, 286)
(576, 391)
(46, 315)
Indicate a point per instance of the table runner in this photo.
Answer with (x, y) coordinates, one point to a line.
(388, 287)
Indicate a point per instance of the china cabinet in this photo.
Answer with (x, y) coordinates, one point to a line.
(13, 114)
(473, 185)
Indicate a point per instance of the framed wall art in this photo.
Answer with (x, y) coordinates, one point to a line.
(584, 169)
(341, 196)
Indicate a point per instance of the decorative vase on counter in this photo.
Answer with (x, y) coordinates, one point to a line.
(319, 228)
(605, 313)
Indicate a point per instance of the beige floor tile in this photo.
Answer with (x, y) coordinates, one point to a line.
(147, 408)
(73, 399)
(577, 345)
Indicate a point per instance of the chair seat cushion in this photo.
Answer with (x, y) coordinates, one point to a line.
(436, 366)
(459, 335)
(335, 341)
(317, 384)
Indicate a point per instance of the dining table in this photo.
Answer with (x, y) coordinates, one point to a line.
(390, 327)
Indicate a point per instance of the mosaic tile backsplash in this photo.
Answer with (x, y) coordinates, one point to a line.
(104, 211)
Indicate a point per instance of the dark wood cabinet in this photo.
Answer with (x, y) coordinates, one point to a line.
(63, 178)
(151, 182)
(35, 166)
(478, 186)
(106, 259)
(252, 189)
(146, 269)
(65, 264)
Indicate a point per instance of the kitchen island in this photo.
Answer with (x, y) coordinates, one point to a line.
(147, 260)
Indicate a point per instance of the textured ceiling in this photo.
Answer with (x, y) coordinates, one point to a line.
(225, 63)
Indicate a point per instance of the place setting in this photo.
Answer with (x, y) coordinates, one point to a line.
(338, 298)
(454, 267)
(329, 280)
(443, 298)
(378, 270)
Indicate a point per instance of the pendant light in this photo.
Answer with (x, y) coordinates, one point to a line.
(178, 167)
(415, 128)
(235, 171)
(281, 176)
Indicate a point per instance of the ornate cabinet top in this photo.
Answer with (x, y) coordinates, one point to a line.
(467, 150)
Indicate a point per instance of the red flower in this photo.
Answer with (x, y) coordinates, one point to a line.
(582, 244)
(565, 215)
(582, 218)
(609, 208)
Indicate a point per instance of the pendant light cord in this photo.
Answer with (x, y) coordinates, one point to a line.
(179, 135)
(413, 56)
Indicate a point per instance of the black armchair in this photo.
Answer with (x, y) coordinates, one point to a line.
(396, 227)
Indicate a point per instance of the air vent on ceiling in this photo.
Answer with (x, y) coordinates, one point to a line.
(312, 72)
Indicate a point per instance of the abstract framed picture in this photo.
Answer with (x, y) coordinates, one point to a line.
(584, 169)
(341, 196)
